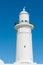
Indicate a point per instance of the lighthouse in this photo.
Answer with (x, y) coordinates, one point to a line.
(24, 52)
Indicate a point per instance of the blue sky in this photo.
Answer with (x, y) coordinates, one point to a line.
(9, 12)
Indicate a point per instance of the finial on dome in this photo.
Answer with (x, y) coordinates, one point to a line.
(24, 8)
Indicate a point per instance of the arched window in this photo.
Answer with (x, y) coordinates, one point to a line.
(24, 46)
(22, 21)
(25, 20)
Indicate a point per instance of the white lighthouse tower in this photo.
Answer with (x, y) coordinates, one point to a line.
(24, 54)
(24, 39)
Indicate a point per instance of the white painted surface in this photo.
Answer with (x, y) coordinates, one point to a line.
(23, 16)
(24, 44)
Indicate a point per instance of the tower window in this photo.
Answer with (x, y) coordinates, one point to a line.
(25, 20)
(22, 20)
(24, 46)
